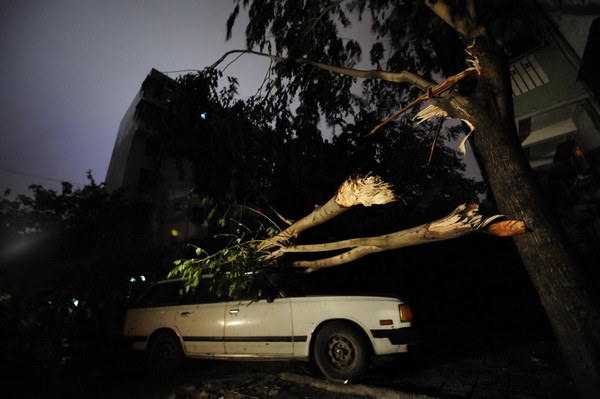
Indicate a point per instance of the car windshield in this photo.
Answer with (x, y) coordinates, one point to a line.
(173, 292)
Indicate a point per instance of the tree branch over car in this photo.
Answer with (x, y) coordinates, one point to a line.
(368, 191)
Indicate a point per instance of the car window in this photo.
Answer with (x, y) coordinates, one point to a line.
(203, 293)
(256, 288)
(207, 294)
(163, 294)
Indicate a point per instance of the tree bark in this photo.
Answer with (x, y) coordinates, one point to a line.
(356, 190)
(572, 308)
(570, 302)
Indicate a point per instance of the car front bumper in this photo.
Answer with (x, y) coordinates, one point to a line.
(398, 336)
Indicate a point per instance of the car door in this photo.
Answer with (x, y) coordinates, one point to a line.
(259, 322)
(200, 322)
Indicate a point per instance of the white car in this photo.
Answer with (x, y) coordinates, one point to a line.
(273, 319)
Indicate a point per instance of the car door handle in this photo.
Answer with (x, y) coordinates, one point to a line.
(234, 311)
(185, 314)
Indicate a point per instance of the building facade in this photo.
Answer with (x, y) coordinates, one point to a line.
(137, 168)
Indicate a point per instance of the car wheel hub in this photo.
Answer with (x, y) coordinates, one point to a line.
(341, 352)
(167, 353)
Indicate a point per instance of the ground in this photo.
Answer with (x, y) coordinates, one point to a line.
(524, 370)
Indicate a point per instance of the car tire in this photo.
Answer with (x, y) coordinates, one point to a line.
(341, 351)
(165, 355)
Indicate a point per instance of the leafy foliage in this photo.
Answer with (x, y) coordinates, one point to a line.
(229, 264)
(322, 31)
(403, 37)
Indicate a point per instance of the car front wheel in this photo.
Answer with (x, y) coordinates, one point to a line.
(165, 355)
(341, 351)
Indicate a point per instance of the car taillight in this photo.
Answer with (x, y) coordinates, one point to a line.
(405, 313)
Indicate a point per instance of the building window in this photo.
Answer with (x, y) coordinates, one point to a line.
(527, 74)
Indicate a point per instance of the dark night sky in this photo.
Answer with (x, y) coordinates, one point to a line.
(70, 68)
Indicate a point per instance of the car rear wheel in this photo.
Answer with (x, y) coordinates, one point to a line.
(165, 355)
(341, 351)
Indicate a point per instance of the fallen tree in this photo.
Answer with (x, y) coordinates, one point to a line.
(249, 250)
(304, 34)
(368, 191)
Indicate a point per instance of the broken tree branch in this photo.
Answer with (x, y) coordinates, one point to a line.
(434, 91)
(357, 190)
(435, 138)
(506, 228)
(465, 219)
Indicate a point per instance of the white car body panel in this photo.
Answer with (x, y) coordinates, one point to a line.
(259, 327)
(273, 327)
(364, 311)
(262, 329)
(141, 322)
(202, 320)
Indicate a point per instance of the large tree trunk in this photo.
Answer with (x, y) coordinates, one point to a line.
(570, 303)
